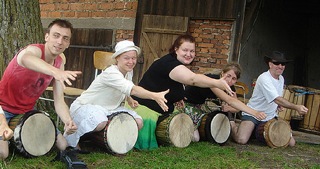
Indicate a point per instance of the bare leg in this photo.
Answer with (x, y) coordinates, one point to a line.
(100, 126)
(61, 143)
(292, 142)
(196, 136)
(242, 133)
(4, 149)
(139, 123)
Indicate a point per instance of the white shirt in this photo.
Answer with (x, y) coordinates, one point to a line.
(108, 89)
(266, 90)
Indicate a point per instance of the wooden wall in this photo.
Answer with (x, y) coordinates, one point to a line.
(223, 9)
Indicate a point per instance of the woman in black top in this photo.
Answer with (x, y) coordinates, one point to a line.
(170, 72)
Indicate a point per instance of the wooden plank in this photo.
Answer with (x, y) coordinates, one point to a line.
(158, 33)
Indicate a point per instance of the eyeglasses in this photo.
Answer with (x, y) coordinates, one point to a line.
(278, 63)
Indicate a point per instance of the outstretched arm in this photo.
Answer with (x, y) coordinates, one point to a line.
(285, 103)
(61, 107)
(235, 103)
(30, 58)
(156, 96)
(185, 76)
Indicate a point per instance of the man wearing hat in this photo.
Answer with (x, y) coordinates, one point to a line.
(108, 90)
(266, 97)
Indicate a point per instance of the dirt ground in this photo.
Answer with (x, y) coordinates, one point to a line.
(306, 153)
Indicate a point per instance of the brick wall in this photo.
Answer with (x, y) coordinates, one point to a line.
(213, 39)
(88, 8)
(118, 15)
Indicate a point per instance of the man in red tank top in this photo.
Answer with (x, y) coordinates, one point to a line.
(28, 75)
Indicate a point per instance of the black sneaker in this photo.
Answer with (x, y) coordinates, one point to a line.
(69, 157)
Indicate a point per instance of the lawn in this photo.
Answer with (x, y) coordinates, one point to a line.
(196, 155)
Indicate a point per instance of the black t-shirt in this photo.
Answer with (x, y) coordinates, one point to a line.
(157, 79)
(198, 95)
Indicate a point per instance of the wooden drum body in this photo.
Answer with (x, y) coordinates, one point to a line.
(119, 135)
(34, 133)
(311, 121)
(275, 133)
(296, 95)
(177, 130)
(215, 127)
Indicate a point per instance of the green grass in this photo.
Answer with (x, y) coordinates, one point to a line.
(196, 155)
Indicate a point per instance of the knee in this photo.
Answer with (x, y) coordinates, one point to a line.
(61, 142)
(242, 140)
(4, 150)
(3, 155)
(292, 142)
(196, 136)
(139, 123)
(101, 126)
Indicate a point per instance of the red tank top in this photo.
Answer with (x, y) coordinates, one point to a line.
(20, 88)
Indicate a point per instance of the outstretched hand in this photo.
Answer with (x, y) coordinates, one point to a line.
(223, 85)
(132, 103)
(65, 76)
(302, 109)
(161, 100)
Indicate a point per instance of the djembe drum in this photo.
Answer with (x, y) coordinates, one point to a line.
(275, 133)
(177, 129)
(119, 135)
(215, 127)
(34, 133)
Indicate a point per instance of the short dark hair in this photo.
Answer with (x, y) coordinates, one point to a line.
(61, 22)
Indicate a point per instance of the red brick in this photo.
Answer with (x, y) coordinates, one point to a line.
(54, 14)
(68, 14)
(98, 14)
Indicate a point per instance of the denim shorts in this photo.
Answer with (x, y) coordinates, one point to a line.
(9, 115)
(250, 118)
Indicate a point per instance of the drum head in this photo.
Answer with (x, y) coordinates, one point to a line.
(38, 134)
(122, 133)
(220, 128)
(278, 133)
(181, 130)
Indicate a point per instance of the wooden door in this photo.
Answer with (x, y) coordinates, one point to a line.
(157, 35)
(79, 55)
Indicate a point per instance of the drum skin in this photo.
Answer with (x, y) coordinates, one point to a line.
(176, 130)
(215, 127)
(275, 133)
(34, 133)
(119, 135)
